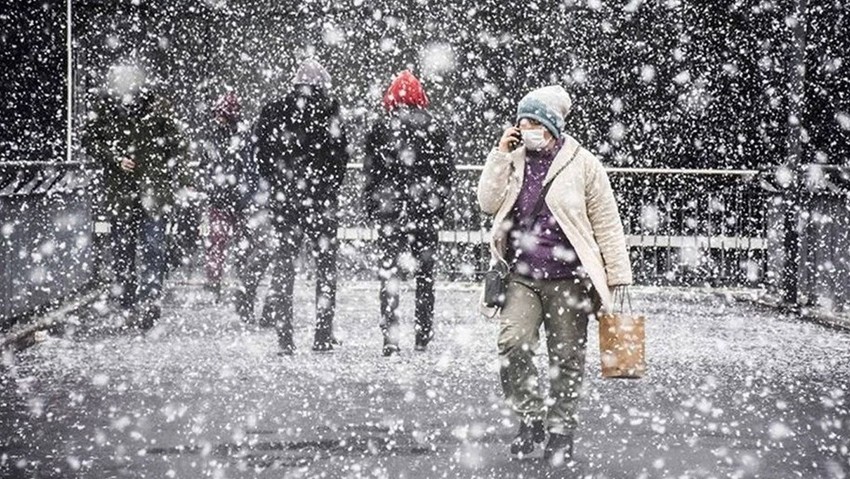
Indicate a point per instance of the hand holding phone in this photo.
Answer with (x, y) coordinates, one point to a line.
(511, 139)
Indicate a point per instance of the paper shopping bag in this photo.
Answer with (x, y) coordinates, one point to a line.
(622, 348)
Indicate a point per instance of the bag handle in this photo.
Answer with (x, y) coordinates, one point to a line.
(621, 298)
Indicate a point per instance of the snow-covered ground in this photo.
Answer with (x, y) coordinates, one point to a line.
(732, 391)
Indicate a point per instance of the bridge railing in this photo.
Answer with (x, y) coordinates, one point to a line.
(46, 238)
(808, 255)
(683, 227)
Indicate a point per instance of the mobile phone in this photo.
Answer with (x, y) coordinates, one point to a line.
(518, 139)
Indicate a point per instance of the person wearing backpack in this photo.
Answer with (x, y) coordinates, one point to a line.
(301, 151)
(409, 169)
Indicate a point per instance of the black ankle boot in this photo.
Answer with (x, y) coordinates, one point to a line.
(559, 449)
(528, 435)
(243, 301)
(390, 347)
(284, 339)
(422, 340)
(268, 317)
(324, 342)
(287, 348)
(149, 317)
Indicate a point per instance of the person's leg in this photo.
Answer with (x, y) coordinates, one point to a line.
(567, 307)
(277, 311)
(389, 248)
(153, 266)
(124, 239)
(520, 321)
(425, 252)
(324, 250)
(566, 310)
(219, 234)
(252, 259)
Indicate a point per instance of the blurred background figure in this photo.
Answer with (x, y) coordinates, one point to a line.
(302, 153)
(408, 182)
(133, 135)
(230, 180)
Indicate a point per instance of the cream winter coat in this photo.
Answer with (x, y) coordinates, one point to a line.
(582, 202)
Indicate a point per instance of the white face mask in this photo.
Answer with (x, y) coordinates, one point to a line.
(534, 139)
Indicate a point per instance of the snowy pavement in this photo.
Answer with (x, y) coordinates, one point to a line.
(733, 390)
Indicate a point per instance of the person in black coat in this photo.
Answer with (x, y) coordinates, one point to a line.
(302, 152)
(134, 136)
(408, 182)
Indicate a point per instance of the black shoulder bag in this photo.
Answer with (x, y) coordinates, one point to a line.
(495, 285)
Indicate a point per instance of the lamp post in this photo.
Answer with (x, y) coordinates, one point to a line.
(69, 79)
(793, 193)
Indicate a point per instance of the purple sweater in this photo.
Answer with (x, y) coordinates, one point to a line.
(538, 247)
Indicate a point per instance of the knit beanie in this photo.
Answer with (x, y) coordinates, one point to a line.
(405, 90)
(311, 72)
(548, 105)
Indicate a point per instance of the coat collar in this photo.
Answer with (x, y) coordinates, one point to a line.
(564, 154)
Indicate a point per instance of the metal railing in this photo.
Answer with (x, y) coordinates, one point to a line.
(692, 227)
(808, 255)
(46, 237)
(700, 227)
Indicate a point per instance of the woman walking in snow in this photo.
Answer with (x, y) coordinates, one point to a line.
(565, 251)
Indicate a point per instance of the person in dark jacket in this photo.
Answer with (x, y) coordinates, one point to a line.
(302, 152)
(408, 182)
(133, 135)
(230, 183)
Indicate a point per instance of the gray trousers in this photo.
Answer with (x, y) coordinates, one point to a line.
(563, 308)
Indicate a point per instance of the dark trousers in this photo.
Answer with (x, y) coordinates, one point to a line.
(252, 255)
(243, 232)
(135, 231)
(422, 243)
(318, 234)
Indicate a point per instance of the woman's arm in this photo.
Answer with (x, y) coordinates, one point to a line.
(493, 184)
(607, 226)
(494, 181)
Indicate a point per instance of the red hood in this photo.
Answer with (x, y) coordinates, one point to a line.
(405, 90)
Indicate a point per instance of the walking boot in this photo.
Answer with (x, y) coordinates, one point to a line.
(214, 287)
(267, 317)
(149, 316)
(284, 338)
(529, 434)
(390, 347)
(324, 342)
(286, 349)
(559, 449)
(243, 302)
(390, 331)
(422, 340)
